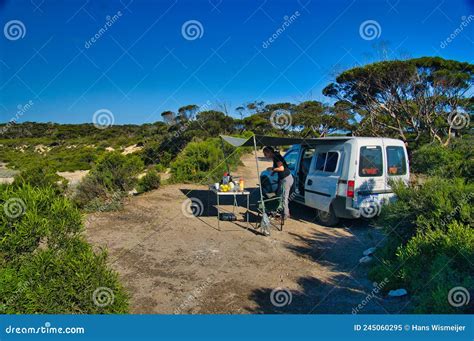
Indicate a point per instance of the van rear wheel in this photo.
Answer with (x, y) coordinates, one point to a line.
(327, 218)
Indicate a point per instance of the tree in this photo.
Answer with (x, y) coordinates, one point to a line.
(214, 123)
(188, 112)
(169, 117)
(409, 98)
(313, 118)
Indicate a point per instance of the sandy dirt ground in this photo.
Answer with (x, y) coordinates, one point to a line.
(74, 177)
(6, 174)
(171, 262)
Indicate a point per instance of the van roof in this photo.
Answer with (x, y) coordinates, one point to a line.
(260, 140)
(357, 139)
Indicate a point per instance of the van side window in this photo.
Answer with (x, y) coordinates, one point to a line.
(306, 160)
(370, 163)
(320, 161)
(396, 161)
(327, 162)
(290, 159)
(331, 162)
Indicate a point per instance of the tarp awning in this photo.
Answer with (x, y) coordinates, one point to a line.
(262, 140)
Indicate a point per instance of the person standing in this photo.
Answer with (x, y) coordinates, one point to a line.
(285, 179)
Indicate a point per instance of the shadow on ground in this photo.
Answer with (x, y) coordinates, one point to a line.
(347, 290)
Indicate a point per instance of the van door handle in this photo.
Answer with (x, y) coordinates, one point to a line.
(310, 182)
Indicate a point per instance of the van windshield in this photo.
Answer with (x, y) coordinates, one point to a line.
(396, 162)
(370, 163)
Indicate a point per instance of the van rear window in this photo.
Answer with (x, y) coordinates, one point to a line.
(370, 163)
(396, 161)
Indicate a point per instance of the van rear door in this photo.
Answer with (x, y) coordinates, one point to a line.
(370, 184)
(322, 179)
(396, 163)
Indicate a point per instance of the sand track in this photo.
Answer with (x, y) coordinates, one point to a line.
(170, 263)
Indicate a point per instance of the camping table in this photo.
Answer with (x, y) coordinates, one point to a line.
(235, 204)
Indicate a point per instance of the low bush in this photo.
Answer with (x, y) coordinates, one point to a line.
(117, 172)
(40, 175)
(46, 266)
(430, 242)
(430, 206)
(60, 157)
(105, 202)
(434, 262)
(204, 161)
(151, 180)
(160, 168)
(429, 266)
(456, 160)
(108, 182)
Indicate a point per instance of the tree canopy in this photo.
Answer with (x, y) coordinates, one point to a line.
(407, 98)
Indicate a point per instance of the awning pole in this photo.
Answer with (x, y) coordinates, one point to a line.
(258, 171)
(258, 177)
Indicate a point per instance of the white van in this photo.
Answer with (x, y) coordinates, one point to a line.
(343, 177)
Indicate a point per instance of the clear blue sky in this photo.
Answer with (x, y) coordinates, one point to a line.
(143, 65)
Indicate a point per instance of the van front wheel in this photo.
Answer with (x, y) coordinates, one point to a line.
(327, 218)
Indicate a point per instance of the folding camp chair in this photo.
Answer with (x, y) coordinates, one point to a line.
(271, 208)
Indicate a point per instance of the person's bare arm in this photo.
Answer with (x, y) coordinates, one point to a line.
(279, 168)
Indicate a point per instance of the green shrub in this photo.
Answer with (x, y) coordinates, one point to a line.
(203, 161)
(108, 182)
(456, 160)
(62, 158)
(88, 190)
(430, 242)
(430, 206)
(160, 168)
(32, 215)
(107, 202)
(434, 262)
(67, 280)
(45, 264)
(40, 175)
(117, 172)
(151, 180)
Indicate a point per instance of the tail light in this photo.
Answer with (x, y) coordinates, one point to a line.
(350, 188)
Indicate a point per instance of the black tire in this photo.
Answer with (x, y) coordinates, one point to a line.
(327, 218)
